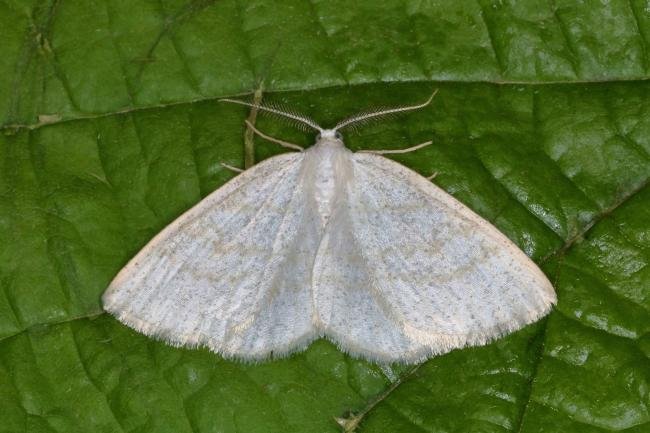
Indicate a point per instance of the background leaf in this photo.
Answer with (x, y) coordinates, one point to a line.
(112, 129)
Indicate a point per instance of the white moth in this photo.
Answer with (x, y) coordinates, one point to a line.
(326, 242)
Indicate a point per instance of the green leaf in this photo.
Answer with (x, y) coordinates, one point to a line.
(112, 129)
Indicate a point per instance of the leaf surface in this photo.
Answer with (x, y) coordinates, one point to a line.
(112, 129)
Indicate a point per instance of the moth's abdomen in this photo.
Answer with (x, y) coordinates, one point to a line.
(325, 188)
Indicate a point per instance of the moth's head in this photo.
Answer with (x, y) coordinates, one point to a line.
(329, 137)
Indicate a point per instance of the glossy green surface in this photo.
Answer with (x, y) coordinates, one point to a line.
(112, 129)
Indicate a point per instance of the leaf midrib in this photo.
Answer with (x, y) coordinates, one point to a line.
(14, 128)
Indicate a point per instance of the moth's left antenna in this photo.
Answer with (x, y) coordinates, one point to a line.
(293, 116)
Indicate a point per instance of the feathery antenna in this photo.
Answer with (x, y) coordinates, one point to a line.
(304, 120)
(359, 118)
(369, 115)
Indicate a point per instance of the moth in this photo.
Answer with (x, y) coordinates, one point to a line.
(325, 242)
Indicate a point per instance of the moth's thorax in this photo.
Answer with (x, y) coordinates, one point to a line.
(330, 170)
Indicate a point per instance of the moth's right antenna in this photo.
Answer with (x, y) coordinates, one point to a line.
(293, 116)
(368, 115)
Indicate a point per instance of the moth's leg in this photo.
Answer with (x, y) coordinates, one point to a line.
(407, 150)
(274, 140)
(431, 177)
(230, 167)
